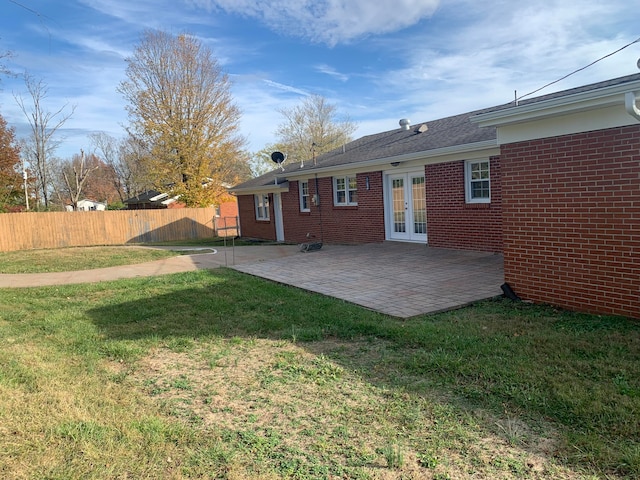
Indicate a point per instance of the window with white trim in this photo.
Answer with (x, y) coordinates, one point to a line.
(262, 206)
(477, 181)
(345, 190)
(304, 196)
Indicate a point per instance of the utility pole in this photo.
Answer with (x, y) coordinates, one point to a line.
(24, 177)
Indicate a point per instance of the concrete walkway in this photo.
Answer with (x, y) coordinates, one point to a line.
(399, 279)
(223, 256)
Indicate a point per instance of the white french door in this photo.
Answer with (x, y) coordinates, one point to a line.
(406, 207)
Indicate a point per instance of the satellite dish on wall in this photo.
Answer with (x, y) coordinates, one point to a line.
(278, 157)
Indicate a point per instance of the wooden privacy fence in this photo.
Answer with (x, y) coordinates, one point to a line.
(31, 230)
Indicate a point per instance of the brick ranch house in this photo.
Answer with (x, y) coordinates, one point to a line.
(552, 183)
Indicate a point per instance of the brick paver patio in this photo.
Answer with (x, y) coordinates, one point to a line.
(399, 279)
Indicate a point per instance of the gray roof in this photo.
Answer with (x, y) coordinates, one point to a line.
(452, 131)
(144, 197)
(442, 133)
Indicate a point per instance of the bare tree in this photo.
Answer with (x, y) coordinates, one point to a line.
(75, 175)
(126, 160)
(311, 128)
(181, 107)
(109, 149)
(41, 144)
(4, 70)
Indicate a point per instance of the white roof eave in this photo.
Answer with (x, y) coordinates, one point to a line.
(476, 147)
(273, 188)
(576, 103)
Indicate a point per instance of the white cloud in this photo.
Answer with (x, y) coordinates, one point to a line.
(486, 51)
(285, 88)
(261, 106)
(460, 55)
(332, 72)
(141, 13)
(328, 21)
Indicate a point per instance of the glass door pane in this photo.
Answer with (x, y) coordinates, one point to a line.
(398, 205)
(419, 203)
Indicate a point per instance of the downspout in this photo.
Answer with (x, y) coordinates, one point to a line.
(631, 106)
(319, 203)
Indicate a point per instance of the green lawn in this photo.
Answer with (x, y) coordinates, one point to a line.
(216, 374)
(77, 258)
(85, 258)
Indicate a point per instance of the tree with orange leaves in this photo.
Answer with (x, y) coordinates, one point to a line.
(180, 105)
(11, 193)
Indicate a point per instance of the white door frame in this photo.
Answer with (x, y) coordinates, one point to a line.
(277, 210)
(409, 234)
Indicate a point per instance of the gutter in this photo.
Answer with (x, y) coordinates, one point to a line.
(270, 188)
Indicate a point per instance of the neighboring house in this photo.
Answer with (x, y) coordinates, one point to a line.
(87, 205)
(553, 183)
(152, 199)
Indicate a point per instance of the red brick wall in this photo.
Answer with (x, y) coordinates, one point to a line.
(342, 225)
(249, 226)
(571, 220)
(226, 220)
(229, 209)
(453, 223)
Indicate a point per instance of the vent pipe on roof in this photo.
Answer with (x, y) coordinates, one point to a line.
(405, 123)
(630, 104)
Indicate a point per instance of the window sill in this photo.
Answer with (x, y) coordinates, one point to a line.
(477, 206)
(345, 207)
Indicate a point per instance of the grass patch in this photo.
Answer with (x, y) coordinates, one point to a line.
(86, 258)
(216, 374)
(76, 258)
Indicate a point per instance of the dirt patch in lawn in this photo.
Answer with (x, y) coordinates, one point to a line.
(275, 401)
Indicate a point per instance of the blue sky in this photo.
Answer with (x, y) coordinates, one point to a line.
(378, 61)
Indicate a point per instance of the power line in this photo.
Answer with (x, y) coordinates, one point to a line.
(578, 70)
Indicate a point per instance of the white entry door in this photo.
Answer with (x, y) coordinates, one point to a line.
(277, 208)
(406, 207)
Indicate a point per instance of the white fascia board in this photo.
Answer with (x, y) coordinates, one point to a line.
(279, 188)
(158, 197)
(487, 147)
(169, 200)
(579, 102)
